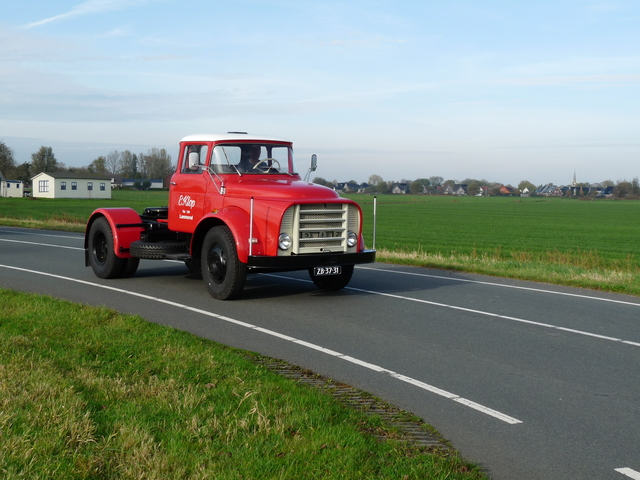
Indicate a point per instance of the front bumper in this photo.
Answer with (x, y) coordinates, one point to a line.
(301, 262)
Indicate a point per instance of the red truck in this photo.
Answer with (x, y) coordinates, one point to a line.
(237, 205)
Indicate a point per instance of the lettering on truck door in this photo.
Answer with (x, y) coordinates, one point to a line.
(188, 189)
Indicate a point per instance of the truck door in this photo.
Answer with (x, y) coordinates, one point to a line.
(188, 188)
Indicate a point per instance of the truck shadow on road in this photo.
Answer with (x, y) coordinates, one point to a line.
(286, 284)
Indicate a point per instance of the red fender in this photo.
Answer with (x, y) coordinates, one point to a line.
(124, 224)
(237, 220)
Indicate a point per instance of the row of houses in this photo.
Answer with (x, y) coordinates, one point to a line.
(549, 190)
(72, 185)
(404, 188)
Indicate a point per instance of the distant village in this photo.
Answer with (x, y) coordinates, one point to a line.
(482, 188)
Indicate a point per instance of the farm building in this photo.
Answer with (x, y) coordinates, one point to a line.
(10, 188)
(154, 182)
(71, 185)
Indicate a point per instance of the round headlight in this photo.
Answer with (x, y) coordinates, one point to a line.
(284, 241)
(352, 239)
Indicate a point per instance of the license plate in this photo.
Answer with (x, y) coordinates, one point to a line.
(324, 271)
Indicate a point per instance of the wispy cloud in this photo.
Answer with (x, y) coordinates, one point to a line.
(573, 80)
(89, 7)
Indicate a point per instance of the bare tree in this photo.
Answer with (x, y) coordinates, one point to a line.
(142, 165)
(158, 163)
(128, 164)
(436, 181)
(112, 161)
(375, 179)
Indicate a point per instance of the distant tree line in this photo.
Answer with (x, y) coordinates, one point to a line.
(156, 163)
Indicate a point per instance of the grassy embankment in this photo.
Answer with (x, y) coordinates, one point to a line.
(592, 244)
(90, 393)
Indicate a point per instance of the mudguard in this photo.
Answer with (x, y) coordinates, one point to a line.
(236, 219)
(126, 226)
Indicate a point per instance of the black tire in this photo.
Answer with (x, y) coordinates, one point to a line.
(130, 267)
(222, 272)
(333, 282)
(103, 259)
(155, 250)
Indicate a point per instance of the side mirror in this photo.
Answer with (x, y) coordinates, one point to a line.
(312, 168)
(194, 160)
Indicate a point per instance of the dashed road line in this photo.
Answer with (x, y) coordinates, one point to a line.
(494, 284)
(629, 473)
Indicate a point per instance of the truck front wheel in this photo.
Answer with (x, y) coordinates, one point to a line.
(222, 272)
(104, 262)
(333, 282)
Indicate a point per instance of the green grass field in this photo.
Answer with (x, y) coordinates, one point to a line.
(593, 244)
(584, 243)
(464, 225)
(88, 393)
(71, 214)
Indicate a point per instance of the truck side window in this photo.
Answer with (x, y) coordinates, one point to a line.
(202, 151)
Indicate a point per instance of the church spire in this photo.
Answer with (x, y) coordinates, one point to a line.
(574, 183)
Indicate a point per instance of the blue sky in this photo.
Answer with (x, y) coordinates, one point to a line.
(500, 90)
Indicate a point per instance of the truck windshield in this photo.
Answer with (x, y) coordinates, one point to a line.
(253, 159)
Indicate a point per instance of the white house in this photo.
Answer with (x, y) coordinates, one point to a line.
(10, 188)
(70, 185)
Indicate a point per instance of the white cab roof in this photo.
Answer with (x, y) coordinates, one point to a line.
(217, 137)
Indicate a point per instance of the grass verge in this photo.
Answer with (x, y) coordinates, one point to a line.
(581, 269)
(90, 393)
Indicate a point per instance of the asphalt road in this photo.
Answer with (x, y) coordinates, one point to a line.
(531, 381)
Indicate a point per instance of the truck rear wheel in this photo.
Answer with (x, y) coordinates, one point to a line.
(222, 272)
(104, 261)
(333, 282)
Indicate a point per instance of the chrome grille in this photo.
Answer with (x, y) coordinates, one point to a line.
(319, 227)
(322, 228)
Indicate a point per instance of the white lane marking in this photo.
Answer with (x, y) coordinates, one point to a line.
(17, 232)
(497, 315)
(478, 312)
(41, 244)
(531, 289)
(376, 368)
(629, 473)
